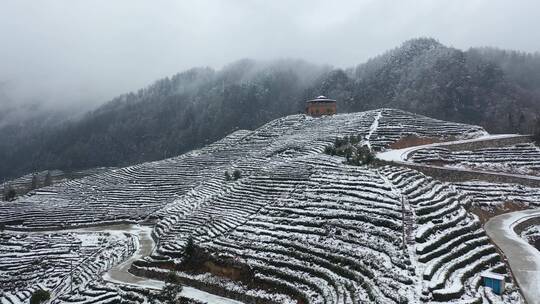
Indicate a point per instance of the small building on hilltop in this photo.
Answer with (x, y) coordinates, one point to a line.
(321, 105)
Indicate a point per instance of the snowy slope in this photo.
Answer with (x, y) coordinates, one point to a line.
(520, 159)
(302, 226)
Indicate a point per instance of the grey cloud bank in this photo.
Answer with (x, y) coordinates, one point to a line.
(82, 53)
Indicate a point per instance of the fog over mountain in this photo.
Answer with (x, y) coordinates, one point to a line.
(78, 82)
(493, 88)
(79, 54)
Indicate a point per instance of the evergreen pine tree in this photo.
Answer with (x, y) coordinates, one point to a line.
(48, 179)
(536, 134)
(189, 249)
(34, 183)
(237, 174)
(9, 193)
(39, 296)
(170, 294)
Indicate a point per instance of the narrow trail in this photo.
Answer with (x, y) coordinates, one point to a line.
(409, 241)
(409, 219)
(372, 129)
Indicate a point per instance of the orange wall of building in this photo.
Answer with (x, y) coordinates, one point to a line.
(318, 109)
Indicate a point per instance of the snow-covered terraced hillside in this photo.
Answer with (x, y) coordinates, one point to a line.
(127, 194)
(451, 247)
(520, 158)
(134, 192)
(486, 194)
(298, 226)
(396, 124)
(29, 261)
(532, 235)
(328, 233)
(23, 184)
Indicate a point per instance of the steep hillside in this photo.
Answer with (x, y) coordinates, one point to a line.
(495, 89)
(521, 158)
(171, 116)
(296, 226)
(424, 76)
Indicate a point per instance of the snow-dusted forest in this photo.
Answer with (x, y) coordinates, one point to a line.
(494, 88)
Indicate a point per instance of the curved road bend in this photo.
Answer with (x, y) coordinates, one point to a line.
(523, 258)
(120, 273)
(401, 155)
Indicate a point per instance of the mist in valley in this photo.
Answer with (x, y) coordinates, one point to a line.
(86, 84)
(75, 55)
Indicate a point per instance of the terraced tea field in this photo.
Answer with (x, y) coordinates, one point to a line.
(58, 262)
(297, 226)
(521, 158)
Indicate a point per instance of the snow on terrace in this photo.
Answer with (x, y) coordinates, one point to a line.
(450, 246)
(132, 193)
(487, 194)
(531, 234)
(304, 203)
(120, 274)
(32, 260)
(295, 219)
(401, 155)
(288, 218)
(522, 158)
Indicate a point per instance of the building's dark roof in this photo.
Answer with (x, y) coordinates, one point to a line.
(322, 99)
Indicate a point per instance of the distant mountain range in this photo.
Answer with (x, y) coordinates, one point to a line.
(497, 89)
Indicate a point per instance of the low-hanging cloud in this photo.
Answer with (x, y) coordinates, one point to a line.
(79, 53)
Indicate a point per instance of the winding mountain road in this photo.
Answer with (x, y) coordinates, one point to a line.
(523, 258)
(401, 155)
(120, 273)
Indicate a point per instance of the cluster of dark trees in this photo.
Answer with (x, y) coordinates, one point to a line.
(170, 294)
(237, 174)
(497, 89)
(10, 190)
(8, 193)
(351, 147)
(536, 134)
(40, 296)
(35, 183)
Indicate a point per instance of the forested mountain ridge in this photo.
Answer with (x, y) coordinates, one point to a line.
(424, 76)
(497, 89)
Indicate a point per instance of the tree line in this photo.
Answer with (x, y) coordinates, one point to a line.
(497, 89)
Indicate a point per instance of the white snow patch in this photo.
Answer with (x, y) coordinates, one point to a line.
(372, 129)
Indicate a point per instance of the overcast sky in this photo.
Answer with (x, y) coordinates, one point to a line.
(86, 52)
